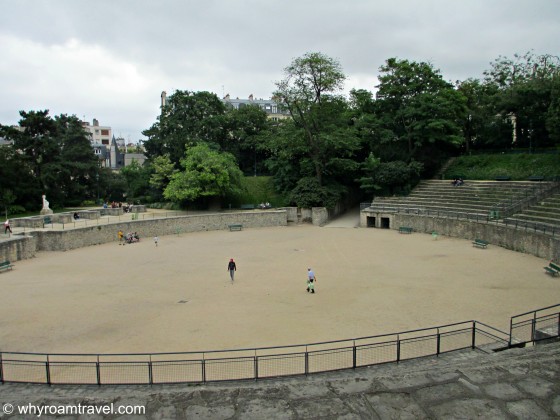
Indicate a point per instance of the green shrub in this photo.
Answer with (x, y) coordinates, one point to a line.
(16, 209)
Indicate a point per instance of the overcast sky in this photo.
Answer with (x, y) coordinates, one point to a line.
(111, 59)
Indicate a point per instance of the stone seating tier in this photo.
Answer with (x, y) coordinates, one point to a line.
(480, 197)
(546, 212)
(550, 221)
(457, 200)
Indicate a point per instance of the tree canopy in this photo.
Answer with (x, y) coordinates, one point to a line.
(330, 147)
(55, 158)
(207, 173)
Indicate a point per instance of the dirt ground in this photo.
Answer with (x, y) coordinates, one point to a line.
(178, 296)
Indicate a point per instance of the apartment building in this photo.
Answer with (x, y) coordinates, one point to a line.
(99, 135)
(273, 109)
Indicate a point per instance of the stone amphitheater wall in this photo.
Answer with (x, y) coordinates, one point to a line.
(534, 243)
(20, 247)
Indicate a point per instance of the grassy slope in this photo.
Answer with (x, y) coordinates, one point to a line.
(260, 189)
(517, 166)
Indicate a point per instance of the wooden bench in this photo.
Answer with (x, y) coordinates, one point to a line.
(247, 207)
(5, 265)
(405, 229)
(552, 269)
(480, 243)
(235, 227)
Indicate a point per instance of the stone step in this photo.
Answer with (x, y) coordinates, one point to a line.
(534, 219)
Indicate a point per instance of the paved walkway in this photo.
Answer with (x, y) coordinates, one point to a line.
(350, 219)
(517, 383)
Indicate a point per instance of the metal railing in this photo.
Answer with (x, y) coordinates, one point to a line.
(245, 364)
(517, 204)
(465, 215)
(534, 326)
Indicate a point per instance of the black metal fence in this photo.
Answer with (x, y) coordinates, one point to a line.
(245, 364)
(535, 326)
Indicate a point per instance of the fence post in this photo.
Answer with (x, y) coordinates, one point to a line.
(306, 361)
(473, 339)
(510, 332)
(98, 371)
(256, 364)
(203, 369)
(1, 369)
(150, 371)
(354, 354)
(398, 349)
(438, 344)
(533, 326)
(47, 367)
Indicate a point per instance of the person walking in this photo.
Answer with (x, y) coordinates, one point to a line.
(121, 237)
(311, 280)
(156, 239)
(7, 227)
(232, 268)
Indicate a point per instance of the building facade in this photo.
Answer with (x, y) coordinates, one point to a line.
(99, 135)
(272, 107)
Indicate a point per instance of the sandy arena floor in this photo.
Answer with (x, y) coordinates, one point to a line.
(178, 296)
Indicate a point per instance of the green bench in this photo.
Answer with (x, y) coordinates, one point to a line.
(503, 178)
(552, 269)
(480, 243)
(536, 178)
(405, 229)
(5, 265)
(47, 221)
(235, 227)
(247, 207)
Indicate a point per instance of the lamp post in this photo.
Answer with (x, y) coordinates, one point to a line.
(97, 179)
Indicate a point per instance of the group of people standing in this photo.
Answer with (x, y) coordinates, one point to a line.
(129, 238)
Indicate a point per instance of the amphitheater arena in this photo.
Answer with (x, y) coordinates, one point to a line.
(177, 297)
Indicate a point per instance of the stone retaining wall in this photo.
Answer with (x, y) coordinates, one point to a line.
(18, 247)
(117, 211)
(23, 247)
(538, 244)
(28, 222)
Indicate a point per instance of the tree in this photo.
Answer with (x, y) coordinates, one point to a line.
(526, 97)
(188, 119)
(389, 177)
(77, 164)
(17, 185)
(137, 181)
(418, 109)
(246, 128)
(308, 193)
(56, 155)
(309, 92)
(163, 169)
(207, 173)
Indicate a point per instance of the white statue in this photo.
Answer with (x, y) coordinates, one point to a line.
(45, 209)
